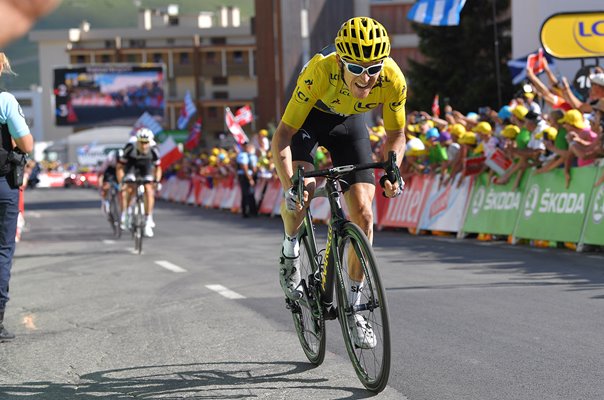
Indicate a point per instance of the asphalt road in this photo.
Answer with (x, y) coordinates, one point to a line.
(469, 320)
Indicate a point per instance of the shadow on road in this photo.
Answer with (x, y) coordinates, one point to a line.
(226, 380)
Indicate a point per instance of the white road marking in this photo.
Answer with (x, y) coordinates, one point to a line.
(229, 294)
(169, 266)
(107, 241)
(33, 214)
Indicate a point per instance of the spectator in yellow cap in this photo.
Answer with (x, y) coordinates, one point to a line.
(583, 143)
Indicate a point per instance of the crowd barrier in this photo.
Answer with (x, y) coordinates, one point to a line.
(540, 208)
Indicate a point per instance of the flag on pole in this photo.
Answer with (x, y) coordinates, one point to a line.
(535, 62)
(147, 121)
(244, 115)
(436, 12)
(169, 153)
(517, 67)
(194, 136)
(187, 111)
(435, 107)
(234, 127)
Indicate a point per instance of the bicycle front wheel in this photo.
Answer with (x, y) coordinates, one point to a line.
(307, 313)
(362, 309)
(139, 226)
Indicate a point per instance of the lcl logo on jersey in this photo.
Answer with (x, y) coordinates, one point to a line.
(345, 92)
(396, 106)
(360, 107)
(300, 96)
(333, 79)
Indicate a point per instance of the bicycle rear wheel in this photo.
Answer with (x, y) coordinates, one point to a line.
(114, 217)
(307, 313)
(372, 365)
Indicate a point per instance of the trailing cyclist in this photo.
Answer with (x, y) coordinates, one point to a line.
(108, 176)
(140, 161)
(330, 107)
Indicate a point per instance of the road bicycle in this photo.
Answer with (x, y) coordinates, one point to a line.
(323, 271)
(113, 216)
(137, 216)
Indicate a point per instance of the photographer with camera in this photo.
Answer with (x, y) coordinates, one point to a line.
(15, 141)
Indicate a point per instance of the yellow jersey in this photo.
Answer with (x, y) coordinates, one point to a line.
(320, 86)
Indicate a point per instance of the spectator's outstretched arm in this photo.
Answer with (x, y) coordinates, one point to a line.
(570, 98)
(19, 15)
(550, 75)
(540, 87)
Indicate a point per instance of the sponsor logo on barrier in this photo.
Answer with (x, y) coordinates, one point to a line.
(554, 203)
(440, 204)
(497, 201)
(598, 208)
(530, 204)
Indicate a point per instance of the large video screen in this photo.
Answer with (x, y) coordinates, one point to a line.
(112, 94)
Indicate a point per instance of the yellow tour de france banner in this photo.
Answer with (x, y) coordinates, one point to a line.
(574, 35)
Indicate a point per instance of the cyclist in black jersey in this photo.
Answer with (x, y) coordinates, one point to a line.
(107, 175)
(140, 161)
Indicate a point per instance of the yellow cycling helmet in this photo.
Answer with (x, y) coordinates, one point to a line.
(362, 39)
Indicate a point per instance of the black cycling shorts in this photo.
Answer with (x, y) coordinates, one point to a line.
(346, 138)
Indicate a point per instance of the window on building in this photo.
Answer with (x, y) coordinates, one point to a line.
(80, 59)
(170, 41)
(238, 57)
(213, 112)
(105, 58)
(137, 43)
(158, 58)
(218, 40)
(221, 95)
(211, 57)
(173, 20)
(184, 58)
(131, 58)
(220, 80)
(110, 44)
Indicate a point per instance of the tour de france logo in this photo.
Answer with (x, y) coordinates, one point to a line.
(598, 208)
(530, 204)
(478, 200)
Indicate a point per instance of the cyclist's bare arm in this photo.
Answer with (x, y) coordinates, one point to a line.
(119, 172)
(282, 155)
(395, 141)
(158, 173)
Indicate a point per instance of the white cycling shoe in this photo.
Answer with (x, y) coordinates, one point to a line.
(148, 231)
(361, 332)
(289, 276)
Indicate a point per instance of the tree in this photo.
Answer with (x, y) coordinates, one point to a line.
(460, 60)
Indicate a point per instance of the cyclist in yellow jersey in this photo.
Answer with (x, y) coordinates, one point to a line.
(329, 107)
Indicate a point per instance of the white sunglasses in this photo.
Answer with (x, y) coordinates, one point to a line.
(357, 70)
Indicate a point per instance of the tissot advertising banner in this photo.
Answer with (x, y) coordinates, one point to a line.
(444, 209)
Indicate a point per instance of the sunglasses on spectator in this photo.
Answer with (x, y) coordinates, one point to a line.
(357, 70)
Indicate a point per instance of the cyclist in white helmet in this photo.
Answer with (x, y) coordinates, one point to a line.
(141, 161)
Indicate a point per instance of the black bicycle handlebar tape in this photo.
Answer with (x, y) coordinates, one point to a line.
(392, 172)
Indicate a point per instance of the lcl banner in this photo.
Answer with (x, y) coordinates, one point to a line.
(552, 212)
(574, 35)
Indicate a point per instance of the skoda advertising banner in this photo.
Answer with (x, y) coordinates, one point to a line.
(549, 211)
(594, 223)
(494, 208)
(444, 209)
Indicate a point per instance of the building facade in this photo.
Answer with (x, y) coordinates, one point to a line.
(212, 55)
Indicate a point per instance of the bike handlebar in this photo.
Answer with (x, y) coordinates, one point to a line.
(390, 167)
